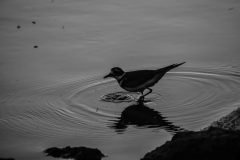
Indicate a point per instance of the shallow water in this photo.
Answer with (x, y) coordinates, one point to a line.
(51, 95)
(72, 113)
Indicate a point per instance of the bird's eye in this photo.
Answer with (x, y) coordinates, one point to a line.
(117, 72)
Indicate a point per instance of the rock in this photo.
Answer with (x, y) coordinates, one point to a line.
(214, 143)
(230, 121)
(219, 141)
(77, 153)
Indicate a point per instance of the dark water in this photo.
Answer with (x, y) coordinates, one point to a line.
(50, 95)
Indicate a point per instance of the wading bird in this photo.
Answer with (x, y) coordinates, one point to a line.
(138, 81)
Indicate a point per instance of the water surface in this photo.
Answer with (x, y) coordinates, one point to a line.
(51, 95)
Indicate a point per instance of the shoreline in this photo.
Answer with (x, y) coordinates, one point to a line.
(221, 140)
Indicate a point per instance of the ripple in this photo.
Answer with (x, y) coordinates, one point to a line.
(188, 98)
(118, 97)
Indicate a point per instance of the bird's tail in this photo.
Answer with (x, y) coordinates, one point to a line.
(168, 68)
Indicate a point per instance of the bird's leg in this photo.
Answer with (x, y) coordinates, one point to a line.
(141, 98)
(150, 91)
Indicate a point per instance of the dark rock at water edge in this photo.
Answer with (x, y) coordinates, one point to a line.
(221, 140)
(214, 143)
(229, 122)
(77, 153)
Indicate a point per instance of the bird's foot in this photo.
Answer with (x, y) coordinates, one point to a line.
(141, 99)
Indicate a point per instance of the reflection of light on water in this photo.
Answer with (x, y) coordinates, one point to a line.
(198, 73)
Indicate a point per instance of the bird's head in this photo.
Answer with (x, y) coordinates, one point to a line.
(116, 73)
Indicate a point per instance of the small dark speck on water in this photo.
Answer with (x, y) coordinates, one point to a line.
(18, 26)
(33, 22)
(231, 8)
(35, 46)
(63, 27)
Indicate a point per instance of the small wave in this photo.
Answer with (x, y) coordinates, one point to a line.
(188, 97)
(118, 97)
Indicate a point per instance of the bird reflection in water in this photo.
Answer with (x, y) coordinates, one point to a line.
(142, 116)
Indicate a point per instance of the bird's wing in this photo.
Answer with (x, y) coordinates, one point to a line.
(137, 78)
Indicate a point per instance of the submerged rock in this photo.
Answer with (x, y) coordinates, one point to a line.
(77, 153)
(219, 141)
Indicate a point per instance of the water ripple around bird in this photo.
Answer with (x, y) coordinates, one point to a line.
(188, 98)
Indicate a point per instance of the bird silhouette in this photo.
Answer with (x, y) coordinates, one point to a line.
(138, 81)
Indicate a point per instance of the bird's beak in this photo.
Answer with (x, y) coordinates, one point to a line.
(109, 75)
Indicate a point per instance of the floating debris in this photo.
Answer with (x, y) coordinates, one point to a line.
(77, 153)
(35, 46)
(231, 8)
(117, 97)
(18, 26)
(33, 22)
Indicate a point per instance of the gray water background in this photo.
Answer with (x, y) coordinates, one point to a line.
(49, 96)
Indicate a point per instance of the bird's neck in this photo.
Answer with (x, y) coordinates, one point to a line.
(119, 78)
